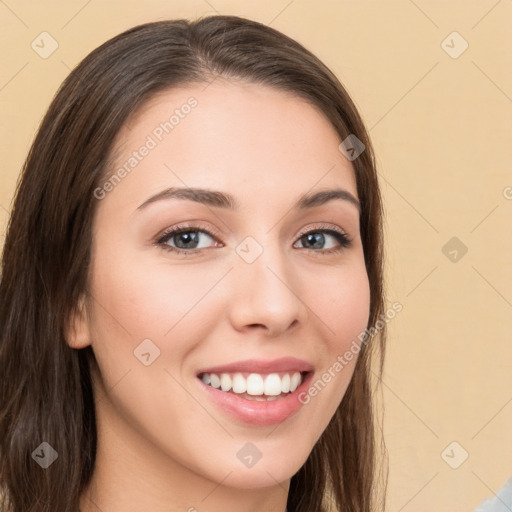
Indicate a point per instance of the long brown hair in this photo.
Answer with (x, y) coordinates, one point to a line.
(45, 386)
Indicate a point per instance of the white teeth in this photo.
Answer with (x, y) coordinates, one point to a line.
(255, 384)
(214, 381)
(239, 383)
(294, 384)
(225, 382)
(270, 385)
(285, 384)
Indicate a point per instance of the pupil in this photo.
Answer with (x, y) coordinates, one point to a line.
(189, 237)
(317, 238)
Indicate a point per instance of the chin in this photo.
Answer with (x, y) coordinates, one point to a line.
(271, 469)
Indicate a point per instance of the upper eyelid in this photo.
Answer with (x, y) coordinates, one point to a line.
(179, 228)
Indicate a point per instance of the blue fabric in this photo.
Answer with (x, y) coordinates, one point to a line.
(501, 502)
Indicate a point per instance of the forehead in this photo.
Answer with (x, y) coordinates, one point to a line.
(257, 142)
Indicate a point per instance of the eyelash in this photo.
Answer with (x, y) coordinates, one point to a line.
(343, 239)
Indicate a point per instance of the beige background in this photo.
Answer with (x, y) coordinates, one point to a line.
(442, 130)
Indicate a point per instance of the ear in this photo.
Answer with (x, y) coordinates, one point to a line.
(77, 331)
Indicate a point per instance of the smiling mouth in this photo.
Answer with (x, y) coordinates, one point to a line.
(255, 386)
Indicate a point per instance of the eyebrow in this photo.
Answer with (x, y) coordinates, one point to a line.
(219, 199)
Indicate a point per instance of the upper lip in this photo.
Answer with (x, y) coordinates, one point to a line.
(282, 364)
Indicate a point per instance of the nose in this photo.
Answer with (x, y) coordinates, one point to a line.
(265, 294)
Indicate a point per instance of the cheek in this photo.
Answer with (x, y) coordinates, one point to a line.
(342, 303)
(343, 315)
(136, 301)
(169, 306)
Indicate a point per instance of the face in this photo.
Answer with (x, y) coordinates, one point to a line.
(263, 280)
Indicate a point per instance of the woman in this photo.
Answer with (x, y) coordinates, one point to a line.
(191, 276)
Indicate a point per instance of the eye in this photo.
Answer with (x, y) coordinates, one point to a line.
(186, 239)
(317, 238)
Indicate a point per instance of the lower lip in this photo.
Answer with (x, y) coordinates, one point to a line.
(258, 413)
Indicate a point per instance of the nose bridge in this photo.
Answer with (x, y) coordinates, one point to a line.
(264, 285)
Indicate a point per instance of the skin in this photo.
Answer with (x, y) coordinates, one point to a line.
(162, 444)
